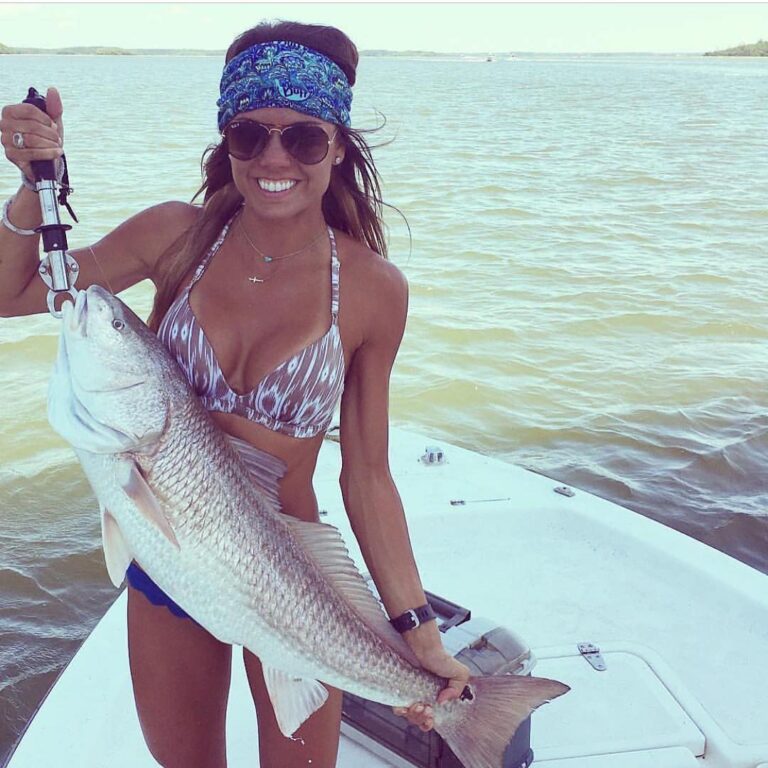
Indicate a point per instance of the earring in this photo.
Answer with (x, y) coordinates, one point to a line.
(337, 161)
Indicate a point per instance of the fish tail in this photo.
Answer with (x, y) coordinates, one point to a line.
(479, 726)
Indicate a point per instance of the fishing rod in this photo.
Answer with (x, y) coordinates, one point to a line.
(58, 269)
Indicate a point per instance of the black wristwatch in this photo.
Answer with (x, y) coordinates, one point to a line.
(412, 618)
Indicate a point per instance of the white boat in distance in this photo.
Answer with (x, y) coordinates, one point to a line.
(681, 628)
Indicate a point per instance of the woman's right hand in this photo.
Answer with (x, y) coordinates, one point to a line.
(43, 134)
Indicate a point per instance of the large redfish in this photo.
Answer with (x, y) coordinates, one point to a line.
(180, 498)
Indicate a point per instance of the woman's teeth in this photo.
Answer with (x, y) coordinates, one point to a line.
(276, 186)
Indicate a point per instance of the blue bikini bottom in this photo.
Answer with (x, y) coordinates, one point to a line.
(140, 581)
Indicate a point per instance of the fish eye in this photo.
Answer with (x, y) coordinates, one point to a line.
(118, 325)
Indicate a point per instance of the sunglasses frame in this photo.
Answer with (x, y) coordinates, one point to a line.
(270, 129)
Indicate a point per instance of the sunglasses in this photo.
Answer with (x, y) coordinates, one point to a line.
(306, 142)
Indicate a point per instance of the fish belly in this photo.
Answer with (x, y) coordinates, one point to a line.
(332, 648)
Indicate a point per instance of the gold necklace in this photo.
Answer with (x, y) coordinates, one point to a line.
(268, 259)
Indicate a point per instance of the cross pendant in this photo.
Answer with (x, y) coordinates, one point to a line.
(255, 280)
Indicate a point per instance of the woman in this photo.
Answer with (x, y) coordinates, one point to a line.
(274, 296)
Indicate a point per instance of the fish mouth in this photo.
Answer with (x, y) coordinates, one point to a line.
(79, 318)
(101, 390)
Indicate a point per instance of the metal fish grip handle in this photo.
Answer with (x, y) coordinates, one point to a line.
(58, 269)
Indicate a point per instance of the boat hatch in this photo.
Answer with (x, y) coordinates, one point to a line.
(625, 708)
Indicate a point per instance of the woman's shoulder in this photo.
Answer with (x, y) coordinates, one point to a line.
(174, 216)
(368, 270)
(163, 220)
(150, 232)
(374, 292)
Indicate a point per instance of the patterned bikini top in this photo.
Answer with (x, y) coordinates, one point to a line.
(297, 398)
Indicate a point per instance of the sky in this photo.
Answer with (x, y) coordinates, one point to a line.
(659, 27)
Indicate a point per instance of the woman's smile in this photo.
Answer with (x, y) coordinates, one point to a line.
(276, 188)
(277, 185)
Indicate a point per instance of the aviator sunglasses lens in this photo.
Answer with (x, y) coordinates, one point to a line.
(306, 143)
(246, 140)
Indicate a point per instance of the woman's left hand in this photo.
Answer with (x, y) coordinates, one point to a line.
(443, 664)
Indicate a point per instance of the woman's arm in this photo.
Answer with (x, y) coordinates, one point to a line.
(124, 257)
(370, 496)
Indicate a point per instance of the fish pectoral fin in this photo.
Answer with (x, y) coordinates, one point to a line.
(116, 552)
(325, 545)
(147, 503)
(294, 699)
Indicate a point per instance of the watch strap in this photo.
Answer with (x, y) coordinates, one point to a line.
(413, 617)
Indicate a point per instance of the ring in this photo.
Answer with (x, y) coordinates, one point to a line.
(18, 140)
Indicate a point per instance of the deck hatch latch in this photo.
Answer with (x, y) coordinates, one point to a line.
(592, 654)
(434, 454)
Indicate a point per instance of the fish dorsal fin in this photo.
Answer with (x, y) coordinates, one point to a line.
(294, 699)
(116, 552)
(264, 469)
(135, 486)
(326, 546)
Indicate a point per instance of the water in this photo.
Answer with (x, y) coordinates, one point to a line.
(586, 277)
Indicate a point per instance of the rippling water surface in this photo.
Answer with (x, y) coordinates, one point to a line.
(587, 292)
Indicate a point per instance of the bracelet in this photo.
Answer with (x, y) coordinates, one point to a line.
(412, 618)
(27, 183)
(8, 225)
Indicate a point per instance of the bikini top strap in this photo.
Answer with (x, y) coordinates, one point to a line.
(212, 251)
(334, 277)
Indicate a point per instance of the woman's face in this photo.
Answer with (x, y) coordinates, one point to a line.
(274, 184)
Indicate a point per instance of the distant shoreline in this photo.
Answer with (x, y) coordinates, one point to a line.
(373, 53)
(760, 48)
(108, 51)
(757, 49)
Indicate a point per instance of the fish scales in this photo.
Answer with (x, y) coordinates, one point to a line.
(179, 499)
(284, 584)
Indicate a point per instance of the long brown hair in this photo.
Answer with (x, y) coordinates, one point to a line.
(352, 203)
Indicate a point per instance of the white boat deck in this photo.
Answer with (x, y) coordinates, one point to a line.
(683, 628)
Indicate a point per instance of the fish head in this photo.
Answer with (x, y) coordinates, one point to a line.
(113, 381)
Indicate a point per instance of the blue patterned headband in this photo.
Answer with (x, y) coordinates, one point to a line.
(284, 74)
